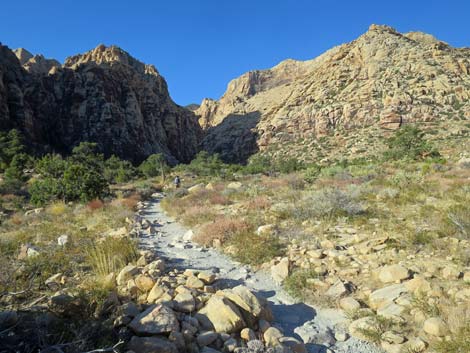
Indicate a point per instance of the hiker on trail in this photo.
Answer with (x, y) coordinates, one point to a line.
(177, 181)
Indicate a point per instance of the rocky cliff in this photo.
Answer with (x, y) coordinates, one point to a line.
(381, 80)
(102, 96)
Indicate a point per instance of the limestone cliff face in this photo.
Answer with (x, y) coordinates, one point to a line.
(102, 96)
(381, 79)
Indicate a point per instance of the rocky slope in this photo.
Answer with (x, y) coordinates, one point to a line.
(102, 96)
(380, 80)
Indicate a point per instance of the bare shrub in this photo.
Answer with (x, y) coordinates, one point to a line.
(223, 229)
(95, 204)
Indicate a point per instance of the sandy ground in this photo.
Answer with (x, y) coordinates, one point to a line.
(316, 327)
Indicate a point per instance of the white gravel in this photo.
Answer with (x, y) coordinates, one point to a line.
(316, 327)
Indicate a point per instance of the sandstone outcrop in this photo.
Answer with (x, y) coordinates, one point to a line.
(104, 96)
(383, 79)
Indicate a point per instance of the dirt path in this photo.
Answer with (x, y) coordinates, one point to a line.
(316, 327)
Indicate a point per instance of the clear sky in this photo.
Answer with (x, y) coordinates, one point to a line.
(200, 45)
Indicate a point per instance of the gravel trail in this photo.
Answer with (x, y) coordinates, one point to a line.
(316, 327)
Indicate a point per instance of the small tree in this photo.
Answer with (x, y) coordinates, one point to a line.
(118, 171)
(10, 145)
(409, 143)
(155, 165)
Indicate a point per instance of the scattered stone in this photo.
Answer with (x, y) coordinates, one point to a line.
(155, 320)
(341, 336)
(267, 229)
(63, 239)
(155, 293)
(194, 282)
(281, 271)
(126, 274)
(337, 290)
(144, 283)
(222, 314)
(234, 185)
(207, 278)
(386, 295)
(185, 302)
(248, 334)
(393, 273)
(292, 344)
(206, 338)
(435, 326)
(151, 345)
(271, 337)
(349, 304)
(188, 236)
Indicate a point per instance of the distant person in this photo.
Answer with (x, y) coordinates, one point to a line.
(177, 182)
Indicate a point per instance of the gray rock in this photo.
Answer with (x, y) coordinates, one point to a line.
(157, 319)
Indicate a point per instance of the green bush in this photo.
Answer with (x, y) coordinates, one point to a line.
(10, 146)
(311, 173)
(118, 171)
(409, 143)
(84, 184)
(154, 165)
(206, 164)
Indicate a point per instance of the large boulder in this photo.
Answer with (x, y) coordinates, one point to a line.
(435, 326)
(386, 295)
(222, 315)
(157, 319)
(151, 345)
(393, 273)
(280, 271)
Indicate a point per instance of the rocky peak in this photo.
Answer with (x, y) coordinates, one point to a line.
(104, 96)
(383, 78)
(23, 55)
(109, 55)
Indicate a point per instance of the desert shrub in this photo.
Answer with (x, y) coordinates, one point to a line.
(111, 254)
(459, 342)
(155, 165)
(409, 143)
(194, 215)
(82, 183)
(95, 204)
(219, 199)
(295, 182)
(258, 164)
(205, 164)
(222, 228)
(258, 203)
(131, 201)
(312, 173)
(57, 209)
(118, 171)
(328, 203)
(458, 218)
(377, 326)
(51, 165)
(288, 165)
(255, 249)
(11, 145)
(44, 190)
(297, 283)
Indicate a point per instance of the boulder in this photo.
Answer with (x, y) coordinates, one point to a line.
(272, 336)
(196, 188)
(151, 345)
(185, 302)
(206, 338)
(281, 271)
(126, 274)
(349, 304)
(207, 278)
(435, 326)
(386, 295)
(194, 282)
(247, 334)
(222, 314)
(8, 319)
(393, 273)
(155, 293)
(337, 290)
(157, 319)
(235, 185)
(144, 283)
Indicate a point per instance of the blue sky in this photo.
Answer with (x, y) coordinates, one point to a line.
(200, 45)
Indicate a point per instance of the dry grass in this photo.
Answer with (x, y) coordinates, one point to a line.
(222, 229)
(95, 205)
